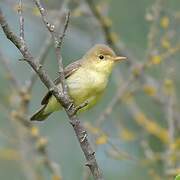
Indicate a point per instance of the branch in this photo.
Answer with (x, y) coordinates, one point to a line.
(57, 41)
(45, 48)
(21, 19)
(65, 102)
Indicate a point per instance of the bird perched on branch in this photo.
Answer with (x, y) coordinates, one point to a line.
(86, 79)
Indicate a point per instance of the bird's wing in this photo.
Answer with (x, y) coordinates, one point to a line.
(69, 70)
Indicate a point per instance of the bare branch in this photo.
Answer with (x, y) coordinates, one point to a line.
(64, 30)
(21, 20)
(56, 40)
(59, 57)
(152, 35)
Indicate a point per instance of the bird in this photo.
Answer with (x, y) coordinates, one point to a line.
(86, 80)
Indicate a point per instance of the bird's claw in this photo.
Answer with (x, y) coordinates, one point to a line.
(81, 106)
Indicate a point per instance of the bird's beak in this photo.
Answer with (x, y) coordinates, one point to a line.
(120, 58)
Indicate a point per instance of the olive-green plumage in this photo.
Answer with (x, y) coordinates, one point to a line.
(86, 79)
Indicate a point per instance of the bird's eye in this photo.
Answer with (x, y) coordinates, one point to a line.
(101, 57)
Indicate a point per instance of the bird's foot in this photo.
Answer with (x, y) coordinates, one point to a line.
(84, 104)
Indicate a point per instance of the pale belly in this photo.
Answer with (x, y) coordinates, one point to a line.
(87, 89)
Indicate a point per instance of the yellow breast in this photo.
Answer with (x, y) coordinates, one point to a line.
(86, 85)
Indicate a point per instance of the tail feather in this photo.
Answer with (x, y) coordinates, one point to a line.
(40, 115)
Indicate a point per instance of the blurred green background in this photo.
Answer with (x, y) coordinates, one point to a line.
(131, 20)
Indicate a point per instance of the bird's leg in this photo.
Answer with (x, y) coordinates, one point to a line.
(84, 104)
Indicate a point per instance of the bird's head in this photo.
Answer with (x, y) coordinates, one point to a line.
(102, 58)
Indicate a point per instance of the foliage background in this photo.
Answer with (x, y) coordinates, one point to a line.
(135, 141)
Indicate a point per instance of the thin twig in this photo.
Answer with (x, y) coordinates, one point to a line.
(169, 111)
(152, 35)
(59, 57)
(64, 29)
(21, 20)
(170, 115)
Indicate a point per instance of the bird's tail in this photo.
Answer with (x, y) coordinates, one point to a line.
(40, 115)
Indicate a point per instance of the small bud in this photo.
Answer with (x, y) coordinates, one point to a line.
(107, 22)
(56, 177)
(164, 22)
(102, 139)
(41, 143)
(149, 90)
(34, 131)
(168, 86)
(14, 114)
(149, 17)
(165, 43)
(156, 59)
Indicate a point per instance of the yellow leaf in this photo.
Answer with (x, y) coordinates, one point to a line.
(175, 145)
(35, 11)
(114, 37)
(127, 97)
(152, 127)
(165, 43)
(107, 22)
(34, 131)
(56, 177)
(9, 154)
(149, 90)
(164, 22)
(168, 86)
(127, 135)
(102, 139)
(91, 128)
(77, 12)
(156, 59)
